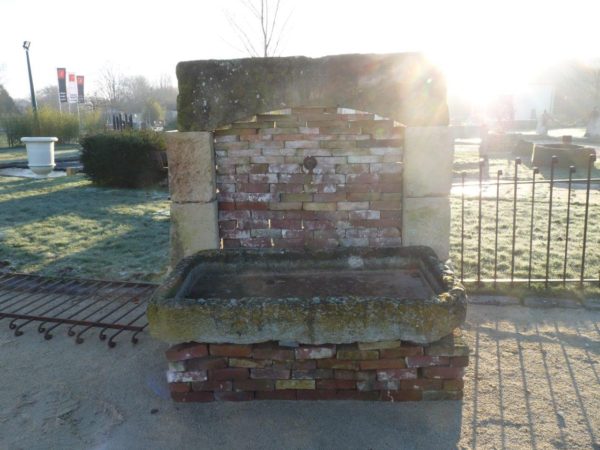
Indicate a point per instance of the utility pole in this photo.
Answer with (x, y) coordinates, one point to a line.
(36, 124)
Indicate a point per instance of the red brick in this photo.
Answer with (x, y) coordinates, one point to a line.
(228, 374)
(317, 394)
(356, 395)
(259, 168)
(179, 387)
(373, 385)
(254, 385)
(272, 351)
(315, 352)
(234, 350)
(270, 374)
(313, 374)
(226, 206)
(353, 375)
(287, 224)
(185, 397)
(260, 206)
(205, 363)
(188, 350)
(261, 188)
(421, 384)
(401, 396)
(336, 384)
(459, 361)
(362, 178)
(426, 361)
(396, 374)
(234, 396)
(212, 386)
(306, 364)
(231, 243)
(444, 373)
(383, 364)
(454, 385)
(401, 352)
(284, 394)
(337, 364)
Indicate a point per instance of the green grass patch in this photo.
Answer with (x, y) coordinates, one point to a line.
(466, 160)
(68, 227)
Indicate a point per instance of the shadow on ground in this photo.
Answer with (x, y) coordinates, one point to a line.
(532, 383)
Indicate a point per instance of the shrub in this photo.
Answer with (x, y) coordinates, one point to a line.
(64, 126)
(123, 159)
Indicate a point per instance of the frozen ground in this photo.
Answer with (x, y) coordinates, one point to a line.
(533, 382)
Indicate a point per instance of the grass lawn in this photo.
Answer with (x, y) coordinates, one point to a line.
(67, 226)
(466, 160)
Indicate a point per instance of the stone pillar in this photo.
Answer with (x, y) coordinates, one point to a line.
(427, 179)
(192, 186)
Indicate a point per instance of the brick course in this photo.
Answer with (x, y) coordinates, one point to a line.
(386, 371)
(359, 165)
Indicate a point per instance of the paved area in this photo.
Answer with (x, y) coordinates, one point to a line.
(533, 382)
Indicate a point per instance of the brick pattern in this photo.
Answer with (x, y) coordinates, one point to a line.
(267, 198)
(393, 371)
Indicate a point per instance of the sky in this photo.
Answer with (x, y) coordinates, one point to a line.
(484, 47)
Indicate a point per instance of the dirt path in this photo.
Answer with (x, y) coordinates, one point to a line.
(533, 382)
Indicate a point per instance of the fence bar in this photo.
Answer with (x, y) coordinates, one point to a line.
(514, 223)
(481, 166)
(536, 170)
(498, 175)
(571, 172)
(552, 166)
(591, 161)
(462, 226)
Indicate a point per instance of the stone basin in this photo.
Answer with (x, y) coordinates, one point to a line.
(568, 155)
(343, 295)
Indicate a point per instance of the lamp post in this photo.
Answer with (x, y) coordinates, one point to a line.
(26, 45)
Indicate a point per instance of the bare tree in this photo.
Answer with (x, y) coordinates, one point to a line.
(268, 14)
(111, 86)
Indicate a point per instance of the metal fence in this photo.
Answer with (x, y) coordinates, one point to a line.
(530, 226)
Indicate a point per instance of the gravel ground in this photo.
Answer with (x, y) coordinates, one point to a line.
(533, 382)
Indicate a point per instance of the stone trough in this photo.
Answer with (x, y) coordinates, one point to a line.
(337, 296)
(310, 203)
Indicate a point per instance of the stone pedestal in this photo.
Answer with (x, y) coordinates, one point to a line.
(427, 178)
(193, 194)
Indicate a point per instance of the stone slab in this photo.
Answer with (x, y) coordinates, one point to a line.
(176, 315)
(495, 300)
(403, 86)
(192, 174)
(551, 302)
(194, 227)
(426, 221)
(428, 158)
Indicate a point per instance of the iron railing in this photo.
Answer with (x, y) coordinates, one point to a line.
(521, 235)
(80, 304)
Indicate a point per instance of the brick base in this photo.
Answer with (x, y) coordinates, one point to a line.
(388, 371)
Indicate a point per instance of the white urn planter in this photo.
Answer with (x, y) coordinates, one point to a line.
(40, 154)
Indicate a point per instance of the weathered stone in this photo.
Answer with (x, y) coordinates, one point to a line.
(428, 157)
(175, 315)
(191, 167)
(404, 87)
(451, 345)
(426, 221)
(193, 228)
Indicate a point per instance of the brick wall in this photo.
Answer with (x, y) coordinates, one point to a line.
(388, 371)
(267, 198)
